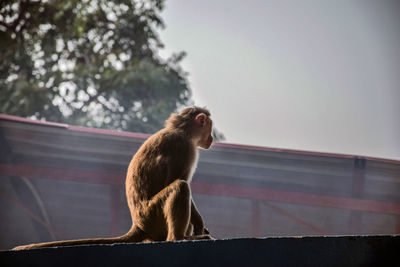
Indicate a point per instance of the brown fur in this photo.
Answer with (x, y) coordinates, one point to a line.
(157, 184)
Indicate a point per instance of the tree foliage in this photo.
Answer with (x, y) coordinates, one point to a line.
(90, 62)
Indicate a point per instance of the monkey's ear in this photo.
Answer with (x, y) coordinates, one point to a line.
(201, 118)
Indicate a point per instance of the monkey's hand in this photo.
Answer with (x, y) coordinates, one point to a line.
(198, 228)
(205, 231)
(197, 221)
(201, 231)
(198, 224)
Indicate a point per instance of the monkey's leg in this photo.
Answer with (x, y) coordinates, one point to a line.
(166, 216)
(177, 210)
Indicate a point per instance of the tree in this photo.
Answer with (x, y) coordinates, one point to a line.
(90, 62)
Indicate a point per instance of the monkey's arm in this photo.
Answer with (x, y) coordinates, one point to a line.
(197, 221)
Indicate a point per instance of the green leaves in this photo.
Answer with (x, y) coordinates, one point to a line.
(92, 63)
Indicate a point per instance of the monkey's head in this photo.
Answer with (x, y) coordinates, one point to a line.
(204, 126)
(196, 122)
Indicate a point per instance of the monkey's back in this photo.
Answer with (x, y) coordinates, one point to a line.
(164, 157)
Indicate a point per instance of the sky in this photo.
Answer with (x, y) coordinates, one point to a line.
(308, 75)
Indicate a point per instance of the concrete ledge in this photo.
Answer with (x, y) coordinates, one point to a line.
(285, 251)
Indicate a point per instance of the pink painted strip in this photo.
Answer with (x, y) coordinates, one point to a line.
(211, 189)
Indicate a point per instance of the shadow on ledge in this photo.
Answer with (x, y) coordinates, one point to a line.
(284, 251)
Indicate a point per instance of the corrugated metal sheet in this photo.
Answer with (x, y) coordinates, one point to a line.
(78, 174)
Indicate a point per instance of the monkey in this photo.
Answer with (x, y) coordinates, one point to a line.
(158, 184)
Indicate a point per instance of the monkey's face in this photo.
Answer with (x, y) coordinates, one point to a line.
(206, 138)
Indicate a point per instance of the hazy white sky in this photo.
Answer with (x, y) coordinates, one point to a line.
(309, 75)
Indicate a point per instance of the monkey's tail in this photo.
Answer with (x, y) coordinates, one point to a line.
(135, 234)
